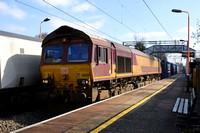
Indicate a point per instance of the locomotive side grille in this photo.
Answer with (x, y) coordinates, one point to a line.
(124, 64)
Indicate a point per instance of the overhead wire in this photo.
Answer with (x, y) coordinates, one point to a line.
(90, 25)
(112, 28)
(46, 12)
(80, 20)
(113, 18)
(121, 10)
(132, 16)
(157, 19)
(68, 20)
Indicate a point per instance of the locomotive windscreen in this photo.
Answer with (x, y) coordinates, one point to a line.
(75, 52)
(53, 54)
(78, 53)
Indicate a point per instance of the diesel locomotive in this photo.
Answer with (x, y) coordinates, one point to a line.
(80, 67)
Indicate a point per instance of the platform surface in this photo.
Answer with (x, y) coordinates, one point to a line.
(147, 109)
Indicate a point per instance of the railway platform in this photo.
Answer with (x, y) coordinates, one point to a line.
(147, 109)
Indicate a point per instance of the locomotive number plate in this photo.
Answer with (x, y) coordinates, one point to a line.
(64, 70)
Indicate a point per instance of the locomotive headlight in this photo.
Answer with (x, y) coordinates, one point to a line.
(82, 81)
(45, 81)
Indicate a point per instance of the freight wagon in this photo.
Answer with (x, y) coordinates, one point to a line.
(19, 60)
(168, 69)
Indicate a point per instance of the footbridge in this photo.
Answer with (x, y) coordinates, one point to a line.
(169, 46)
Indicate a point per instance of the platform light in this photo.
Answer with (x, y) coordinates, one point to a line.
(45, 20)
(188, 53)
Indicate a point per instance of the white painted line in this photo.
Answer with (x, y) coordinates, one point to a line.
(180, 109)
(185, 107)
(176, 105)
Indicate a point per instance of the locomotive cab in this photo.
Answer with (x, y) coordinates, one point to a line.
(66, 63)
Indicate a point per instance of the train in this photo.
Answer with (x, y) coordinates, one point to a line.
(168, 69)
(19, 60)
(81, 67)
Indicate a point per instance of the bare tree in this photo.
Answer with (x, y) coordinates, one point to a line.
(139, 43)
(196, 34)
(139, 39)
(43, 35)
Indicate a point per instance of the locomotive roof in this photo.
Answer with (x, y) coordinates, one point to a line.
(65, 31)
(122, 47)
(72, 32)
(142, 54)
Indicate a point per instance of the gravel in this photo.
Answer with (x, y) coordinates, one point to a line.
(13, 122)
(7, 126)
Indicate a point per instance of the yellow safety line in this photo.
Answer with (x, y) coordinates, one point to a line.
(112, 120)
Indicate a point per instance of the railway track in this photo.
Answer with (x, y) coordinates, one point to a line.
(19, 116)
(19, 108)
(15, 116)
(17, 119)
(19, 111)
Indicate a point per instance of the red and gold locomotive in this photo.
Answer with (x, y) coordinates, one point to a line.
(78, 66)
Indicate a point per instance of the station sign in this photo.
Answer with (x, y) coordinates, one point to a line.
(185, 54)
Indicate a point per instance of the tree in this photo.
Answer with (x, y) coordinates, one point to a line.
(196, 34)
(140, 46)
(43, 35)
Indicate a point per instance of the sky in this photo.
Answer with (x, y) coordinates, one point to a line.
(116, 20)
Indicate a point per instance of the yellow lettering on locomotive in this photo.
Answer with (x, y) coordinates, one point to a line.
(79, 75)
(85, 75)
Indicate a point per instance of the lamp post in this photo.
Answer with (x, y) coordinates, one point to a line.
(45, 20)
(188, 54)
